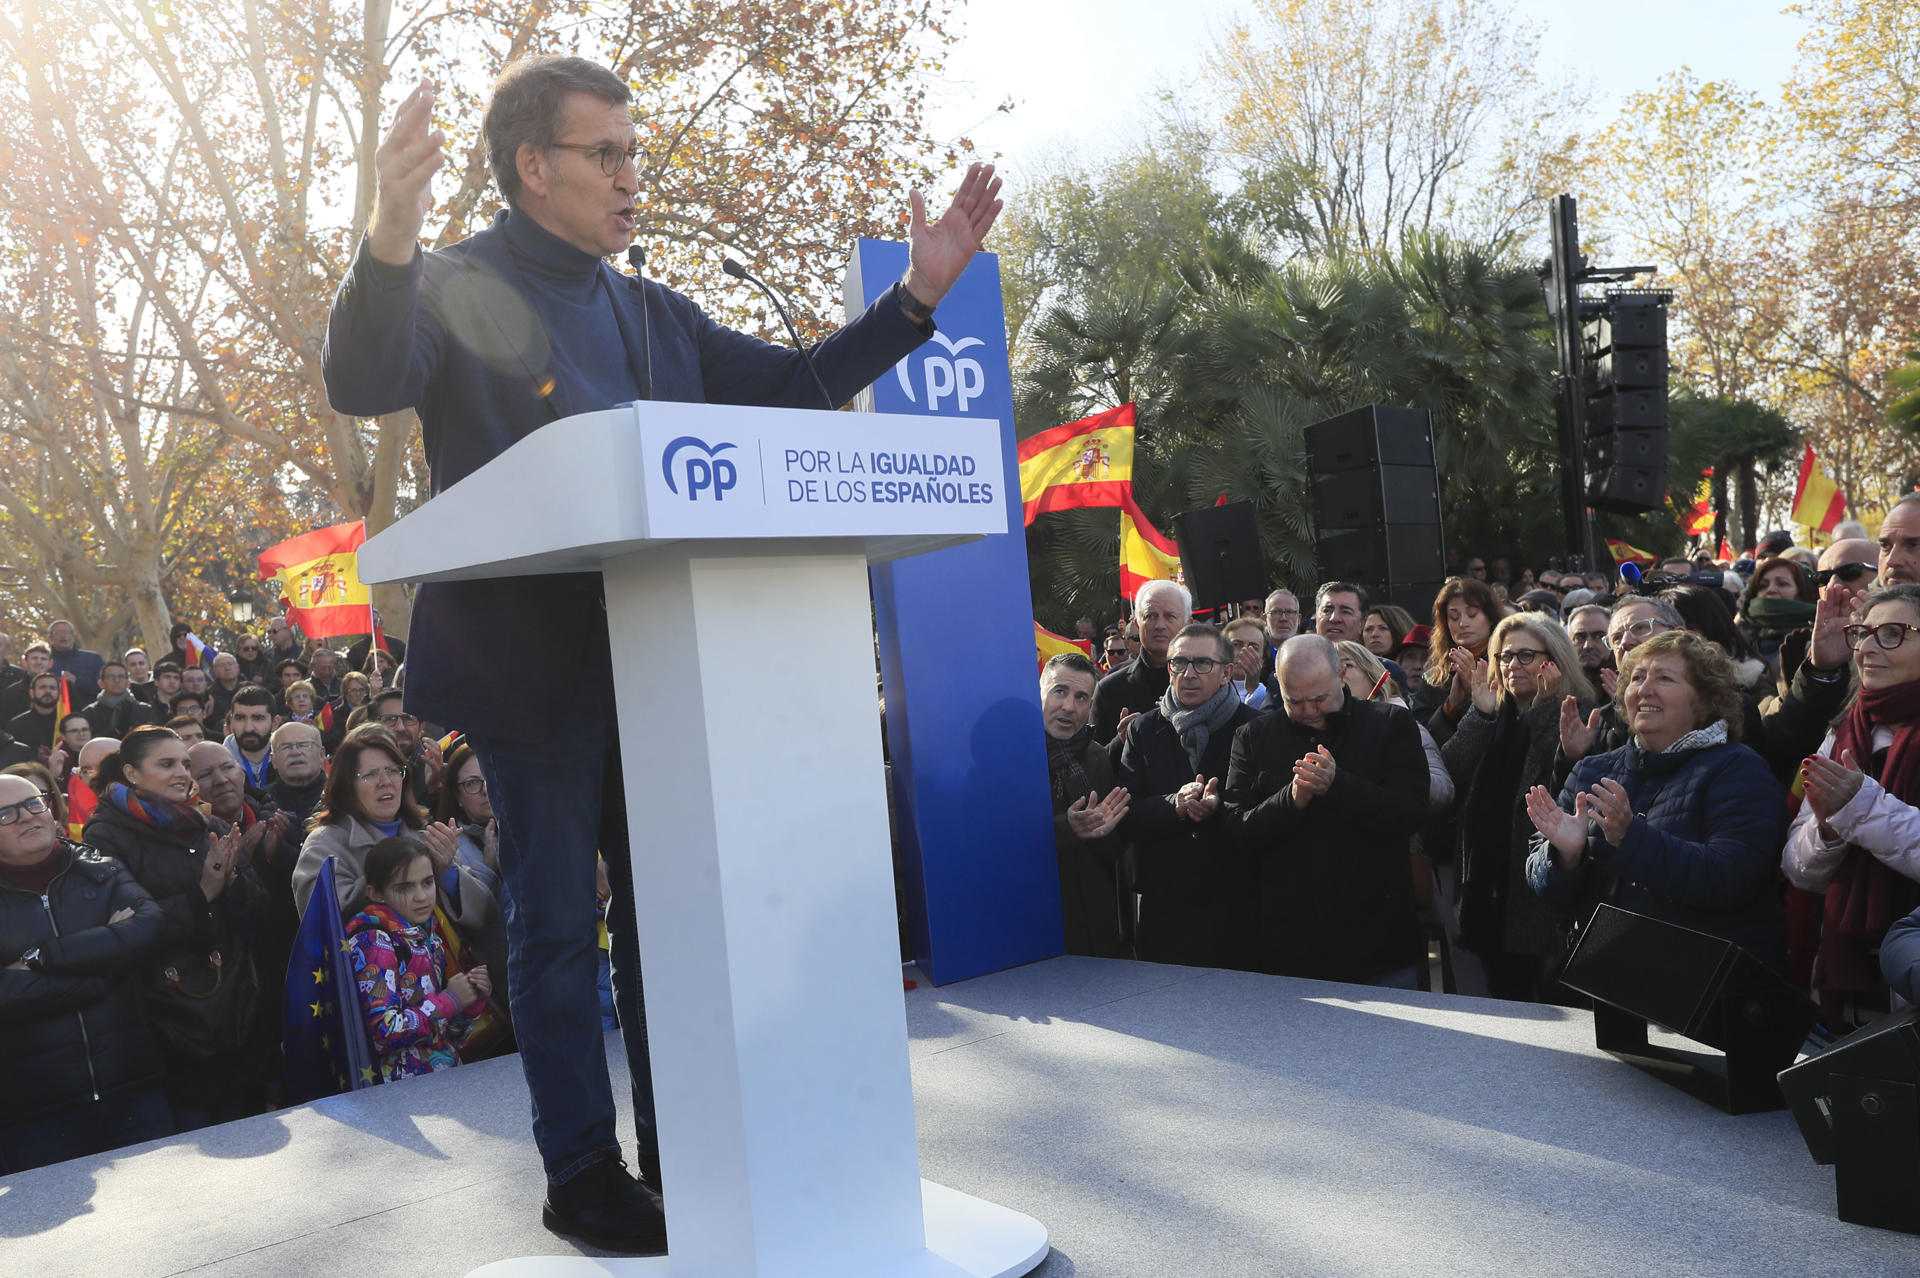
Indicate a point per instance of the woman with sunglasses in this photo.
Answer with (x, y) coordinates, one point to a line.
(1856, 838)
(1502, 746)
(80, 1073)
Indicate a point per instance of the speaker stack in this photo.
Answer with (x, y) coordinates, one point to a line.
(1376, 505)
(1220, 554)
(1626, 367)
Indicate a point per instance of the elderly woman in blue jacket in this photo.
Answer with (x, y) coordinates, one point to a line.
(1682, 823)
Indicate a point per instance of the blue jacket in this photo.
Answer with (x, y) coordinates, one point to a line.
(1900, 957)
(1702, 851)
(463, 335)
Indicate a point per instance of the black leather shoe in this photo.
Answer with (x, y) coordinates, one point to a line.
(605, 1207)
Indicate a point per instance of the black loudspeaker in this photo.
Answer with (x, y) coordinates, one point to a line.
(1220, 554)
(1641, 970)
(1376, 504)
(1858, 1106)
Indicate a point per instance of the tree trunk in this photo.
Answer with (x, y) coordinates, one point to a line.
(152, 618)
(1749, 502)
(394, 600)
(1722, 525)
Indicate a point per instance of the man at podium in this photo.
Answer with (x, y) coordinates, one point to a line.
(490, 339)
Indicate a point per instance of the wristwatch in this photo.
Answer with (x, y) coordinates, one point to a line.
(912, 307)
(1822, 674)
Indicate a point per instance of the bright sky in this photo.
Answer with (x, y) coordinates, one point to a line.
(1084, 73)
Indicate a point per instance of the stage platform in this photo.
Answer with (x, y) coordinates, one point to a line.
(1158, 1121)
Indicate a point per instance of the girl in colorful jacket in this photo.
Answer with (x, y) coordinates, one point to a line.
(416, 1017)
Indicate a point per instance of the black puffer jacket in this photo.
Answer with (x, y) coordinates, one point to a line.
(168, 866)
(74, 1032)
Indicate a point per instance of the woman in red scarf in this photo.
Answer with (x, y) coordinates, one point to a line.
(1856, 839)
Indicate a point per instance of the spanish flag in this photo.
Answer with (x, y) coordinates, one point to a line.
(1146, 554)
(81, 801)
(1624, 554)
(65, 706)
(319, 575)
(1049, 645)
(1818, 502)
(1083, 463)
(1700, 518)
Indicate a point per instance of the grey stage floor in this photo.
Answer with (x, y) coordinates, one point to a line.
(1159, 1120)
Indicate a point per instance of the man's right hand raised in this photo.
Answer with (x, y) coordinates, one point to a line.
(404, 166)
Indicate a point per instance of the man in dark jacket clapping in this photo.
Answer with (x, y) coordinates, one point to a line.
(1087, 808)
(79, 1073)
(1191, 882)
(1323, 797)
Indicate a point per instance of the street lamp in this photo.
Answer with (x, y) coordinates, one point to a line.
(242, 611)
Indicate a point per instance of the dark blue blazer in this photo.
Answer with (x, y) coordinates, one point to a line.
(466, 335)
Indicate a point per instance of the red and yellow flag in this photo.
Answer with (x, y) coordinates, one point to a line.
(1700, 519)
(1818, 502)
(1048, 645)
(81, 801)
(1624, 554)
(1083, 463)
(319, 575)
(65, 706)
(1146, 554)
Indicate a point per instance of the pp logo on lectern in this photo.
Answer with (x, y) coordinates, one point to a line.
(711, 473)
(964, 379)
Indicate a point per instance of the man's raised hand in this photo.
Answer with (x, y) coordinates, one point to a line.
(404, 166)
(938, 251)
(1091, 817)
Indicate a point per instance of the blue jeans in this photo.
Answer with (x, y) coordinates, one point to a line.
(557, 803)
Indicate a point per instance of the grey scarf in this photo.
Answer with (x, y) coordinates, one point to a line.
(1196, 727)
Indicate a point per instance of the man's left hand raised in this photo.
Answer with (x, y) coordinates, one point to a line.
(939, 250)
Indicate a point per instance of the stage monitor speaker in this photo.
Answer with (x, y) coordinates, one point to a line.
(1857, 1110)
(1381, 558)
(1642, 970)
(1220, 554)
(1376, 495)
(1372, 436)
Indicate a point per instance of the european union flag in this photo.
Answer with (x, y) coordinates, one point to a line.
(324, 1035)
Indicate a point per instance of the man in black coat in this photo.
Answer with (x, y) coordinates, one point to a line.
(80, 1073)
(1323, 797)
(1191, 880)
(116, 711)
(299, 771)
(1159, 608)
(1087, 808)
(38, 725)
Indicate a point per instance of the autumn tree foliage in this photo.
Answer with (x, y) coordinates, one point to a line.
(203, 172)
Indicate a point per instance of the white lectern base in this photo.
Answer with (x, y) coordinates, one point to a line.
(967, 1237)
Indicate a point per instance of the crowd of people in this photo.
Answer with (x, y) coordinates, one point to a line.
(1349, 792)
(159, 846)
(1337, 792)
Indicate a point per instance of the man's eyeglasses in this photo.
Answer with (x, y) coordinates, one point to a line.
(1522, 657)
(474, 785)
(1117, 653)
(1197, 665)
(611, 158)
(1642, 629)
(403, 719)
(1888, 634)
(388, 773)
(26, 807)
(1849, 573)
(1589, 638)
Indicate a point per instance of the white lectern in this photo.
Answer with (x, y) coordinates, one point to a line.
(761, 860)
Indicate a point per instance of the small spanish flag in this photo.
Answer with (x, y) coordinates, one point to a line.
(1083, 463)
(324, 717)
(1624, 554)
(1048, 645)
(1700, 518)
(1146, 554)
(66, 702)
(319, 576)
(1818, 502)
(81, 801)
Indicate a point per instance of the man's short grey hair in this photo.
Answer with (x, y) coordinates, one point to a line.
(1275, 597)
(1591, 607)
(1158, 586)
(525, 109)
(1301, 646)
(1662, 610)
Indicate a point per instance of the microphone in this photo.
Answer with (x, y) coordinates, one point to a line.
(1630, 573)
(732, 267)
(637, 259)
